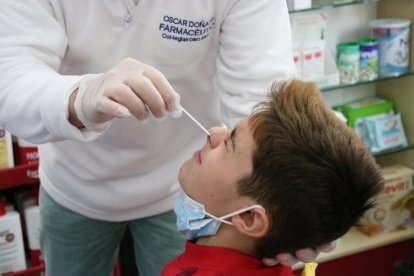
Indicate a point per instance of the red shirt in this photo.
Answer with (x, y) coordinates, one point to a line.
(200, 260)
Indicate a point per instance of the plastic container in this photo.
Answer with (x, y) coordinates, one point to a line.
(12, 256)
(347, 59)
(393, 39)
(368, 61)
(32, 224)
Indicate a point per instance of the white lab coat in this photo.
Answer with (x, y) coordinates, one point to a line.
(219, 55)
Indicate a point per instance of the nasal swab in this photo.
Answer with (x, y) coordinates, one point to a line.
(195, 121)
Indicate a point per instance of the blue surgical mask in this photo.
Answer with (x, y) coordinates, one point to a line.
(192, 218)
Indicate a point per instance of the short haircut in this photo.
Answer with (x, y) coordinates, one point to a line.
(311, 172)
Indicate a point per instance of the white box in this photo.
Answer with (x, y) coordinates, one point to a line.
(297, 59)
(308, 30)
(12, 256)
(27, 152)
(299, 4)
(330, 76)
(32, 217)
(313, 62)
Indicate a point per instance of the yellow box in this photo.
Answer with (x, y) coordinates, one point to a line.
(6, 150)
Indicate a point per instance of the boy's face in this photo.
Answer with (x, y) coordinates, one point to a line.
(211, 176)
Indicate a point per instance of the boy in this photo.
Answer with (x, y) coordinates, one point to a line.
(290, 176)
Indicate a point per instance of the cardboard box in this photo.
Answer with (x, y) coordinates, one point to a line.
(28, 153)
(297, 59)
(394, 208)
(6, 150)
(313, 61)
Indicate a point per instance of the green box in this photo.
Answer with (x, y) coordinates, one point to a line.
(364, 108)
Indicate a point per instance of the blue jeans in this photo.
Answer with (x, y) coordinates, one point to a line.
(73, 244)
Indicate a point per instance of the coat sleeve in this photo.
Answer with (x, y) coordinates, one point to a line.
(33, 95)
(255, 49)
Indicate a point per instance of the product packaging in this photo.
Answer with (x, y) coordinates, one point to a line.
(299, 4)
(32, 223)
(347, 59)
(394, 209)
(28, 153)
(297, 58)
(313, 61)
(6, 150)
(384, 133)
(12, 257)
(394, 45)
(368, 61)
(26, 202)
(357, 111)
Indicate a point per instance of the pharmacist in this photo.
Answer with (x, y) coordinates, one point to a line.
(94, 82)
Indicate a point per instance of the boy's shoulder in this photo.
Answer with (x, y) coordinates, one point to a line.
(212, 260)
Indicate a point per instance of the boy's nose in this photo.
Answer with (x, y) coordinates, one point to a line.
(217, 135)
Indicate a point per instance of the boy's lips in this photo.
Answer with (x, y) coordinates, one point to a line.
(197, 156)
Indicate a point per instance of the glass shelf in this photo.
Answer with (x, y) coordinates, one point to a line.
(322, 4)
(394, 150)
(340, 86)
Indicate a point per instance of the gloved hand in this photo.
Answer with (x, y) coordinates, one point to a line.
(131, 87)
(305, 255)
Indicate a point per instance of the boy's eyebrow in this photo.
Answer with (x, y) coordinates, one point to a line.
(233, 138)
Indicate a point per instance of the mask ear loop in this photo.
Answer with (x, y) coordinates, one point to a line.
(223, 218)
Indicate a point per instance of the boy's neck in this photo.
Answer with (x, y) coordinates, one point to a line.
(228, 237)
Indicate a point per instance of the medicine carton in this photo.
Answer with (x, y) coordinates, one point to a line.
(32, 216)
(313, 61)
(6, 150)
(28, 153)
(297, 58)
(12, 257)
(394, 208)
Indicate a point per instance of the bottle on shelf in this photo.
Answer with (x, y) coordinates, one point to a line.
(6, 150)
(12, 256)
(32, 219)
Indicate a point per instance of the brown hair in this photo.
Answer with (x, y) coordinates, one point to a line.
(311, 173)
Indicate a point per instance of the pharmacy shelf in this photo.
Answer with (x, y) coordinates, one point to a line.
(356, 242)
(19, 175)
(380, 79)
(394, 150)
(325, 4)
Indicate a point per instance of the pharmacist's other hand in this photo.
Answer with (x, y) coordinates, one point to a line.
(131, 87)
(305, 255)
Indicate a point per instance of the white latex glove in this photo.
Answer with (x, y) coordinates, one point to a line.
(131, 87)
(305, 255)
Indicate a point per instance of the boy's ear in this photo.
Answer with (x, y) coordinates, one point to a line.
(254, 223)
